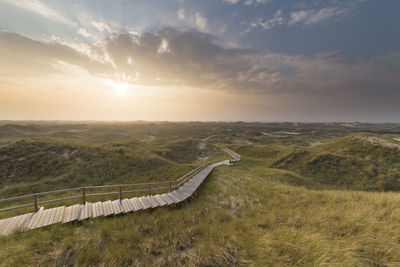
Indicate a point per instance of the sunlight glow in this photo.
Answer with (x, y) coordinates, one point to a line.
(121, 89)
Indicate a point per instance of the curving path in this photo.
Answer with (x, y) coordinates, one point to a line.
(79, 212)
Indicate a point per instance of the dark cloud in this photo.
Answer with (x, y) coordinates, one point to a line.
(23, 57)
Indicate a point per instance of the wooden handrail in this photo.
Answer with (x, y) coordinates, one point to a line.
(147, 187)
(234, 155)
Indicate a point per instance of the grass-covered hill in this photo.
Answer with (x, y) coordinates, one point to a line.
(29, 166)
(303, 194)
(357, 162)
(241, 216)
(188, 151)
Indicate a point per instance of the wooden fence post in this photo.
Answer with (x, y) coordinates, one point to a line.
(83, 196)
(36, 203)
(120, 193)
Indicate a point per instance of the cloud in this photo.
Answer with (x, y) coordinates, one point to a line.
(200, 21)
(306, 14)
(251, 2)
(39, 8)
(181, 14)
(187, 59)
(191, 59)
(313, 16)
(268, 24)
(131, 31)
(37, 59)
(231, 1)
(82, 31)
(101, 26)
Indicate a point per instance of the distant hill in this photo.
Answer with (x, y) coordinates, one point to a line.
(188, 151)
(357, 162)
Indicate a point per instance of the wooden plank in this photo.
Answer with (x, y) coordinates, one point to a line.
(31, 219)
(127, 205)
(94, 210)
(107, 208)
(82, 212)
(23, 220)
(8, 224)
(72, 213)
(35, 219)
(53, 216)
(47, 218)
(97, 209)
(154, 203)
(160, 200)
(186, 190)
(178, 195)
(60, 215)
(192, 186)
(183, 193)
(168, 199)
(189, 184)
(181, 196)
(50, 214)
(3, 223)
(86, 211)
(14, 225)
(136, 204)
(176, 200)
(75, 212)
(145, 203)
(116, 206)
(42, 218)
(130, 204)
(100, 209)
(67, 214)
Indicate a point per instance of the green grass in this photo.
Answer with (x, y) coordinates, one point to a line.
(30, 166)
(287, 203)
(352, 162)
(240, 216)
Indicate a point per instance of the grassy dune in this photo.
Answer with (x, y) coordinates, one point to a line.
(241, 216)
(29, 166)
(325, 196)
(355, 162)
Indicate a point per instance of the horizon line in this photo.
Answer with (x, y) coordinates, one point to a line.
(199, 121)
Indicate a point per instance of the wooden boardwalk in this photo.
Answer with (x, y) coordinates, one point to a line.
(44, 217)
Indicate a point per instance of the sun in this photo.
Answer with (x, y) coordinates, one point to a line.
(121, 89)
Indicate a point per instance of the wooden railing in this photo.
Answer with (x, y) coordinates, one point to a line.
(84, 192)
(235, 156)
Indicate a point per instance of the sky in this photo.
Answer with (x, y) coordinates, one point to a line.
(208, 60)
